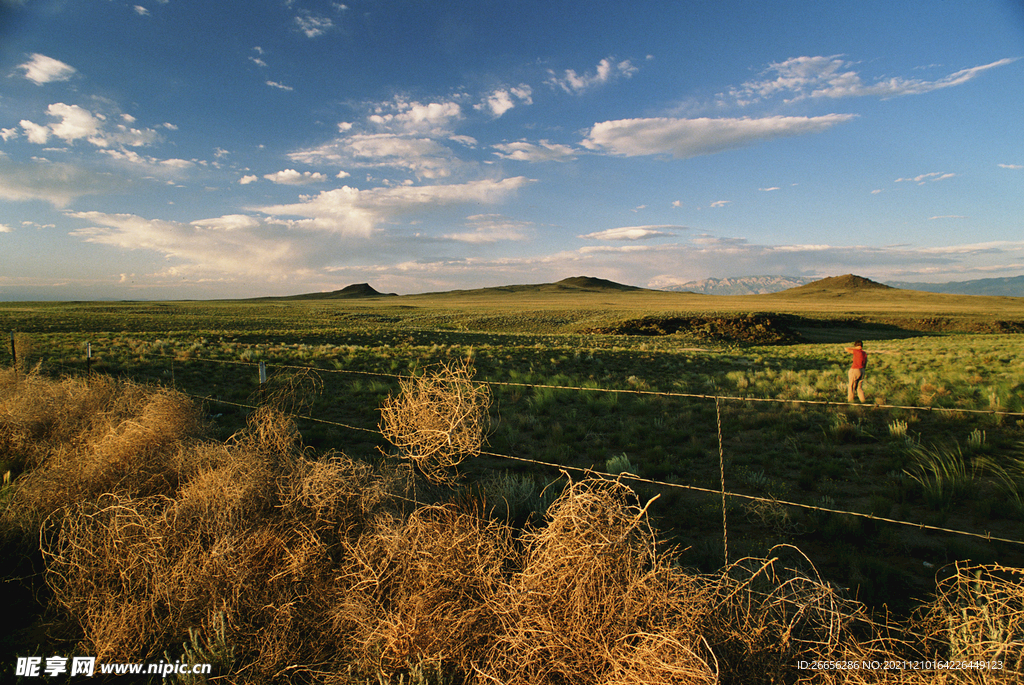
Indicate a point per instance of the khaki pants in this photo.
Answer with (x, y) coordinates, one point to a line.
(856, 385)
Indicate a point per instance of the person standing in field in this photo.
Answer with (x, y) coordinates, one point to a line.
(860, 362)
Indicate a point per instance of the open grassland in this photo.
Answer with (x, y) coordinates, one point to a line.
(937, 463)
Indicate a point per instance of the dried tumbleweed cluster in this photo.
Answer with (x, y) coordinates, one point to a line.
(438, 419)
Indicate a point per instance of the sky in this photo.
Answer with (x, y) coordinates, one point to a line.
(182, 150)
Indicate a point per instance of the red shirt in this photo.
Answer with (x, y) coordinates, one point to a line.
(860, 358)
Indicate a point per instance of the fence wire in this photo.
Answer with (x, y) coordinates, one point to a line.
(988, 537)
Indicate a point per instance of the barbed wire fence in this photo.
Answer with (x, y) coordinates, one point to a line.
(718, 399)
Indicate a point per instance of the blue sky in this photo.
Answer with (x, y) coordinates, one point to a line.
(173, 149)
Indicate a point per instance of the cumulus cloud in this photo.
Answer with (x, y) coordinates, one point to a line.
(247, 179)
(279, 86)
(833, 77)
(635, 232)
(400, 134)
(541, 151)
(408, 117)
(332, 227)
(351, 211)
(606, 70)
(41, 69)
(76, 123)
(291, 177)
(4, 228)
(502, 100)
(685, 138)
(424, 157)
(231, 244)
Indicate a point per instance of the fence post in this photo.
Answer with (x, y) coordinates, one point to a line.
(88, 359)
(263, 382)
(721, 475)
(14, 358)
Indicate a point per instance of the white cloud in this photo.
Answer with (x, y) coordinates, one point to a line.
(6, 229)
(606, 70)
(41, 69)
(768, 190)
(502, 100)
(291, 177)
(178, 164)
(414, 118)
(684, 138)
(58, 184)
(279, 86)
(233, 244)
(947, 216)
(34, 132)
(720, 203)
(635, 232)
(424, 157)
(350, 211)
(228, 222)
(334, 227)
(247, 179)
(141, 11)
(76, 123)
(313, 26)
(542, 151)
(927, 178)
(1011, 166)
(833, 77)
(491, 228)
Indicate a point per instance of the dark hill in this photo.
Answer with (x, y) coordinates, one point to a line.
(590, 284)
(836, 285)
(349, 292)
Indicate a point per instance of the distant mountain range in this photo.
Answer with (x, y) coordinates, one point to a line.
(1009, 287)
(746, 285)
(761, 285)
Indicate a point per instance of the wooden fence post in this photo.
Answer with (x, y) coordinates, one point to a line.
(263, 382)
(14, 358)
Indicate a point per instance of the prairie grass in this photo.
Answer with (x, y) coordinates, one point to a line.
(944, 473)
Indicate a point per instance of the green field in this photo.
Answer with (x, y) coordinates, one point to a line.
(955, 461)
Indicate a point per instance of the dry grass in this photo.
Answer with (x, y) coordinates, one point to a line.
(438, 419)
(76, 440)
(978, 615)
(594, 603)
(279, 565)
